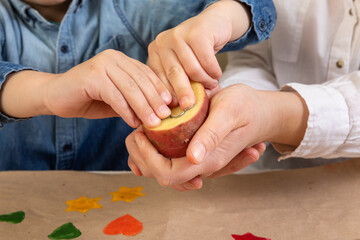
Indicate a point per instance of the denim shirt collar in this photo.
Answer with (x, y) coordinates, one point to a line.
(29, 14)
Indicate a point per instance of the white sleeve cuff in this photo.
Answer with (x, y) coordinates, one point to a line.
(328, 124)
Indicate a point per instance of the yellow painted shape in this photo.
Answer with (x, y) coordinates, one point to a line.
(83, 204)
(127, 194)
(169, 123)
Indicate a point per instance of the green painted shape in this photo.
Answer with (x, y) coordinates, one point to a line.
(15, 217)
(66, 231)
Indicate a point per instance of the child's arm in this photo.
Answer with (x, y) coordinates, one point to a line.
(188, 50)
(108, 85)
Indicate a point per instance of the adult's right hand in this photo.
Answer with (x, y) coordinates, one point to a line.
(240, 117)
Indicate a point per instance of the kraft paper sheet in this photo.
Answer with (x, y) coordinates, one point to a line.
(314, 203)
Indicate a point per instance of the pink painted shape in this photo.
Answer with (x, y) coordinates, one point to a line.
(248, 236)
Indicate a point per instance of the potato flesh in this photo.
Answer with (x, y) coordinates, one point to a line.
(170, 123)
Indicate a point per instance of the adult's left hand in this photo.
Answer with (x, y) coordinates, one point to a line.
(180, 173)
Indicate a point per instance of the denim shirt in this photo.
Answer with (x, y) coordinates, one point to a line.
(28, 41)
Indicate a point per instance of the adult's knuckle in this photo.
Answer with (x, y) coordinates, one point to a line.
(218, 165)
(164, 180)
(212, 137)
(130, 163)
(146, 174)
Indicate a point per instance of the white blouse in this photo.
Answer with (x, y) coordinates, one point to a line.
(314, 50)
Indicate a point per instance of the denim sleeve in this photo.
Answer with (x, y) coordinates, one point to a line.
(146, 19)
(263, 17)
(5, 69)
(149, 18)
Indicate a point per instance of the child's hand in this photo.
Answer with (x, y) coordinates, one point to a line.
(188, 50)
(108, 85)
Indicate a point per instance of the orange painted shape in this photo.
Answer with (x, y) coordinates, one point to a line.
(126, 225)
(83, 204)
(127, 194)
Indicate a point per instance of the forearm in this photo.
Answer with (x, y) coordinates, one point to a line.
(22, 94)
(237, 15)
(285, 117)
(334, 119)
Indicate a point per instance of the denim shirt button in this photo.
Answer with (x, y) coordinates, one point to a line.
(67, 147)
(262, 26)
(64, 49)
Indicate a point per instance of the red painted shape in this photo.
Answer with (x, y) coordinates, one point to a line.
(248, 236)
(126, 225)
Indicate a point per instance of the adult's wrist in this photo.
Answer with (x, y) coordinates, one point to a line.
(291, 115)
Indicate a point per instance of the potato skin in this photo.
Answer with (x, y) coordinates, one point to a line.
(173, 143)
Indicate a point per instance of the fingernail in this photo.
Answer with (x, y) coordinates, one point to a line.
(166, 97)
(198, 151)
(165, 110)
(186, 102)
(154, 119)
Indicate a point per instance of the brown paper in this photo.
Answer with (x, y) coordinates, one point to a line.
(317, 203)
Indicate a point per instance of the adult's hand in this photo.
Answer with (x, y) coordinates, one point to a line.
(179, 173)
(241, 116)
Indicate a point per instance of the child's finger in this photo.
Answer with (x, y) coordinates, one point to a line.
(177, 78)
(111, 95)
(206, 56)
(134, 97)
(141, 75)
(192, 66)
(156, 65)
(155, 80)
